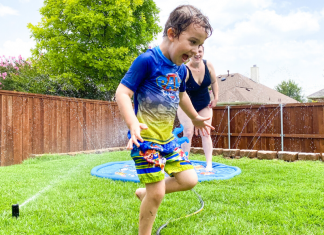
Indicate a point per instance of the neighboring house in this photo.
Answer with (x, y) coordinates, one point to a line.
(317, 96)
(236, 89)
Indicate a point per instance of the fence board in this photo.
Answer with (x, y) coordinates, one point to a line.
(31, 131)
(65, 123)
(25, 128)
(84, 126)
(80, 126)
(17, 103)
(47, 126)
(54, 126)
(73, 127)
(105, 125)
(98, 126)
(110, 123)
(59, 125)
(3, 129)
(88, 126)
(9, 146)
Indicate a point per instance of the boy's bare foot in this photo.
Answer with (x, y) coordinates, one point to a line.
(140, 193)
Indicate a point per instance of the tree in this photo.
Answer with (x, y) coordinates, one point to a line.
(291, 89)
(82, 41)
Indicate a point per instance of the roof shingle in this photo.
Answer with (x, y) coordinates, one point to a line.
(318, 94)
(238, 88)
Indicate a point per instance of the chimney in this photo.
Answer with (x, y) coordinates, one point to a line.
(255, 74)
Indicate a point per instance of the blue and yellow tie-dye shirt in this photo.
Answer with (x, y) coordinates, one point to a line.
(156, 82)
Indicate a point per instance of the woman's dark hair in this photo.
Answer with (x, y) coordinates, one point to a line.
(185, 15)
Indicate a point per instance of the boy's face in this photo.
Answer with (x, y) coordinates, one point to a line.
(187, 44)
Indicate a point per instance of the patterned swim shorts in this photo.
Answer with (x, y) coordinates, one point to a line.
(151, 160)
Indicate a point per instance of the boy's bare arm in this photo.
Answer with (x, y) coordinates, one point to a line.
(197, 120)
(123, 98)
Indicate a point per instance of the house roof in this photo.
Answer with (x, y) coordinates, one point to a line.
(238, 88)
(318, 94)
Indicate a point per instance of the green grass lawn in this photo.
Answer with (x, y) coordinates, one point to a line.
(268, 197)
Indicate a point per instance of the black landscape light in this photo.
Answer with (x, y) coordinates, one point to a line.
(15, 210)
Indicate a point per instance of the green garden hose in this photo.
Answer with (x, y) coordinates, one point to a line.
(196, 212)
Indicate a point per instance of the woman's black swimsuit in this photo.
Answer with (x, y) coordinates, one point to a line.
(199, 95)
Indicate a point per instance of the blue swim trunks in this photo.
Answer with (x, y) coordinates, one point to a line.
(151, 160)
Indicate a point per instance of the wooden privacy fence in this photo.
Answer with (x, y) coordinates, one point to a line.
(36, 124)
(287, 127)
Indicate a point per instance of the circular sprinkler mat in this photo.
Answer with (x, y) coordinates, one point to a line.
(125, 171)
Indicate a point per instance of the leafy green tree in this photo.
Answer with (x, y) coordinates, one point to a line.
(92, 41)
(291, 89)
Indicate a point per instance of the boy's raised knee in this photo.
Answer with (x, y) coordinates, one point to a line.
(192, 180)
(192, 183)
(187, 179)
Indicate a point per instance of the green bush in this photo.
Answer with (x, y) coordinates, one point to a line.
(17, 74)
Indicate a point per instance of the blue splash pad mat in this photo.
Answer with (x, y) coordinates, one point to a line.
(125, 171)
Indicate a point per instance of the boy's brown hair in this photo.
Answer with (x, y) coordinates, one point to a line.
(185, 15)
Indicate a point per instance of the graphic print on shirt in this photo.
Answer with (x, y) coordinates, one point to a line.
(170, 82)
(170, 85)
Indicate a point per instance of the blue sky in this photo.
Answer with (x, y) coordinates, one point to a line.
(285, 39)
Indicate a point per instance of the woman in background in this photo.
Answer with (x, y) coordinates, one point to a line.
(201, 76)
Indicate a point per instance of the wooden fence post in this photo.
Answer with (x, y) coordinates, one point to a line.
(229, 126)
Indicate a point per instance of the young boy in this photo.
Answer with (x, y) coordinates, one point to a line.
(157, 78)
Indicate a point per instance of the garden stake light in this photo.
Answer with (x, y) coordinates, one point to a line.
(15, 210)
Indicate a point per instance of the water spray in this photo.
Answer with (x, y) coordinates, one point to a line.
(15, 207)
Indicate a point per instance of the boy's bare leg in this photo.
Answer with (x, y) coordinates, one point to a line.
(149, 206)
(181, 181)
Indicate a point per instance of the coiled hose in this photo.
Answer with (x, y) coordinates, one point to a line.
(158, 232)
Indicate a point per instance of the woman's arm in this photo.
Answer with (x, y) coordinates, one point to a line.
(214, 84)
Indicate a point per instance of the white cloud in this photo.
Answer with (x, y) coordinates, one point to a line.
(281, 60)
(221, 13)
(294, 21)
(24, 1)
(248, 21)
(265, 26)
(16, 48)
(274, 51)
(4, 10)
(284, 4)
